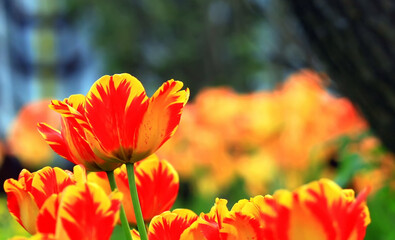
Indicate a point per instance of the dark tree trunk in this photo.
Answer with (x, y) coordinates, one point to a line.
(355, 40)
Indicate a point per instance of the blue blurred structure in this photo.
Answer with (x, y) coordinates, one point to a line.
(43, 55)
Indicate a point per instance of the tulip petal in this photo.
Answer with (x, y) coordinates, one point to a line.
(114, 108)
(241, 227)
(86, 212)
(55, 140)
(81, 151)
(72, 109)
(76, 101)
(162, 117)
(135, 234)
(21, 205)
(46, 219)
(218, 212)
(157, 184)
(48, 181)
(170, 225)
(201, 229)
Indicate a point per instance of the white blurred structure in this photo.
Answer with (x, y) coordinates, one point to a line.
(43, 54)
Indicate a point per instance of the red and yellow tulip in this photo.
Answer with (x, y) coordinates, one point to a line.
(82, 211)
(157, 186)
(322, 210)
(169, 225)
(27, 195)
(318, 210)
(116, 122)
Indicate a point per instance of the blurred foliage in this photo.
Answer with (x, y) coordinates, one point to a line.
(213, 44)
(8, 226)
(203, 43)
(382, 211)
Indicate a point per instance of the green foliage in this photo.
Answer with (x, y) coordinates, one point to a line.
(382, 212)
(202, 43)
(8, 226)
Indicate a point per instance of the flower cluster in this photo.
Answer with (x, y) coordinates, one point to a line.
(260, 136)
(318, 210)
(48, 203)
(113, 132)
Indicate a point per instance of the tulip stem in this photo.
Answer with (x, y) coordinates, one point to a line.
(124, 220)
(136, 202)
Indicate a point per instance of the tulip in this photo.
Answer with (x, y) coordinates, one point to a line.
(157, 186)
(27, 195)
(82, 211)
(116, 122)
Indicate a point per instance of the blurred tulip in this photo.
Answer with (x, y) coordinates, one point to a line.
(157, 186)
(286, 130)
(116, 122)
(23, 139)
(26, 196)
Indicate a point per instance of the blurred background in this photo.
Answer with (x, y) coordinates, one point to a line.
(283, 92)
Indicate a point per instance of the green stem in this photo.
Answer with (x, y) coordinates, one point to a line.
(136, 202)
(124, 220)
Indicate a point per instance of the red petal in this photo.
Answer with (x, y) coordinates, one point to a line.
(115, 106)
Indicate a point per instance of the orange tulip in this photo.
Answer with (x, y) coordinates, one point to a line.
(157, 186)
(116, 122)
(27, 195)
(24, 141)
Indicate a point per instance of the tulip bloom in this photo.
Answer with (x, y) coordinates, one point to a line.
(318, 210)
(169, 225)
(83, 211)
(208, 226)
(157, 186)
(27, 195)
(116, 122)
(322, 210)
